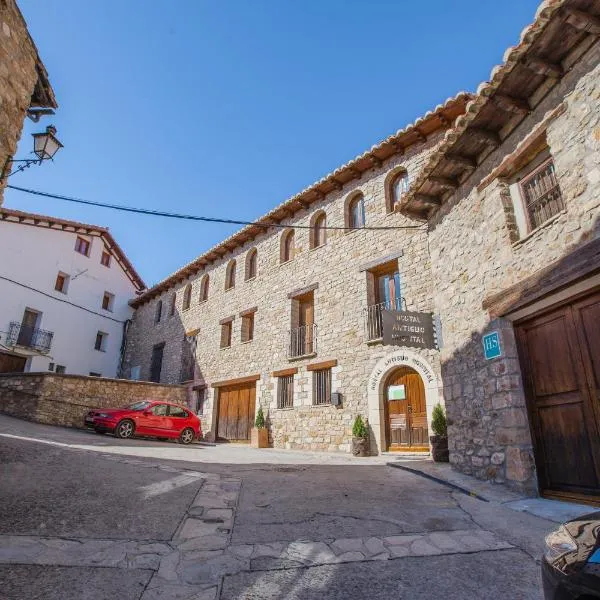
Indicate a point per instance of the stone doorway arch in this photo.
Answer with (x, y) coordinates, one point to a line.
(377, 385)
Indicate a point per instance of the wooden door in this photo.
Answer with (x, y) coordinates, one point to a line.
(406, 418)
(560, 360)
(236, 411)
(9, 363)
(28, 324)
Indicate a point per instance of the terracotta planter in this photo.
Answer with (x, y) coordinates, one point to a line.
(439, 448)
(360, 446)
(259, 438)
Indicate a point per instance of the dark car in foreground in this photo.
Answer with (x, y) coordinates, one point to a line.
(571, 564)
(147, 418)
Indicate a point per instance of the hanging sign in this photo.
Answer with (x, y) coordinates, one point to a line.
(491, 345)
(404, 328)
(396, 392)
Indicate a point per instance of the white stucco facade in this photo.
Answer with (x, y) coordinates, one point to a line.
(31, 257)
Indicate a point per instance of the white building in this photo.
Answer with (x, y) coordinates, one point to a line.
(64, 293)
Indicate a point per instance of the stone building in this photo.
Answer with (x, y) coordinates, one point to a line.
(24, 85)
(286, 317)
(511, 198)
(499, 194)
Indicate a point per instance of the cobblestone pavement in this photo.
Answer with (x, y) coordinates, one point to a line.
(190, 530)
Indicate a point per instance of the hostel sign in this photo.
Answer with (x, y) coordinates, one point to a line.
(412, 329)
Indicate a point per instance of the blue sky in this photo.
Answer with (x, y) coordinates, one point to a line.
(227, 108)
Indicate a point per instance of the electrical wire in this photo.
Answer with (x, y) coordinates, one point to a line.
(28, 287)
(170, 215)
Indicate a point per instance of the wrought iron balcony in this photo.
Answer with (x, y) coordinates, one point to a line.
(372, 316)
(29, 337)
(302, 341)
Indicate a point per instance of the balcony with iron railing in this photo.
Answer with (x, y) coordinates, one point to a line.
(29, 337)
(373, 319)
(302, 341)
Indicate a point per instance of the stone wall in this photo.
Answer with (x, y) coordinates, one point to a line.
(343, 293)
(18, 77)
(474, 254)
(64, 399)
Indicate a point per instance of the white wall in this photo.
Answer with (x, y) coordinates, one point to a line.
(33, 256)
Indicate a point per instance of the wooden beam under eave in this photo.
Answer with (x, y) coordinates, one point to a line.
(485, 135)
(303, 203)
(338, 185)
(421, 137)
(511, 104)
(447, 182)
(583, 21)
(375, 160)
(428, 199)
(544, 67)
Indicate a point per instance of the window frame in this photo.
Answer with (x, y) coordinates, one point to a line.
(187, 297)
(318, 232)
(111, 301)
(204, 287)
(285, 392)
(392, 198)
(65, 282)
(101, 337)
(287, 246)
(251, 264)
(226, 334)
(173, 304)
(158, 312)
(79, 240)
(355, 199)
(323, 387)
(247, 329)
(109, 258)
(230, 274)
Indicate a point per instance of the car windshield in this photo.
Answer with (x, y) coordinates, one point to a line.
(139, 405)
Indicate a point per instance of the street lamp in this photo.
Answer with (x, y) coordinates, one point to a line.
(45, 146)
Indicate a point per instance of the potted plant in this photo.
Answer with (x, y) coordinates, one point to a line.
(360, 437)
(259, 434)
(439, 439)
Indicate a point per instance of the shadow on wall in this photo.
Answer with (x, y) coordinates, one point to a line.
(490, 433)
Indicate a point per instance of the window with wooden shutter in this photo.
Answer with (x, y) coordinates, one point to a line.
(541, 195)
(285, 391)
(247, 327)
(187, 296)
(204, 288)
(226, 329)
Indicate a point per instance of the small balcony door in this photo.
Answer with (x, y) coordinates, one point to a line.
(28, 325)
(388, 291)
(306, 320)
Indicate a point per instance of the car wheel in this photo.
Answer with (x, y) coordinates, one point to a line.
(186, 436)
(125, 429)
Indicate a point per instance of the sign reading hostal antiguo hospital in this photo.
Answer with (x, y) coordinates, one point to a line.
(412, 329)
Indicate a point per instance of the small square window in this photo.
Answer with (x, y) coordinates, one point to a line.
(101, 339)
(108, 301)
(62, 282)
(82, 246)
(60, 369)
(226, 329)
(105, 258)
(50, 366)
(285, 391)
(322, 386)
(92, 374)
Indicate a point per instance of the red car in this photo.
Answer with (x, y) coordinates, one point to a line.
(147, 417)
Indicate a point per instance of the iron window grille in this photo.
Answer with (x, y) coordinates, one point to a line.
(285, 392)
(29, 337)
(541, 195)
(321, 386)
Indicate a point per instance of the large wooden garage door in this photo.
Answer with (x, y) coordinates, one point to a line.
(560, 357)
(9, 363)
(236, 411)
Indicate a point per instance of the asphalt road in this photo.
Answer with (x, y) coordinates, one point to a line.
(91, 517)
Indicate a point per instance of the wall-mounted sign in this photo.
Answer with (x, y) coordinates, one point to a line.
(396, 392)
(412, 329)
(491, 345)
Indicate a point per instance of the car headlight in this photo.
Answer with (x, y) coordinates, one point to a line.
(104, 415)
(559, 543)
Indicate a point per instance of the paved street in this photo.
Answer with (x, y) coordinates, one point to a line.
(93, 517)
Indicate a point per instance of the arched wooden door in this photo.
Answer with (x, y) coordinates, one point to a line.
(406, 414)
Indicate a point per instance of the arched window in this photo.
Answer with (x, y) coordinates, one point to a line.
(287, 245)
(204, 288)
(230, 275)
(396, 188)
(187, 296)
(158, 313)
(355, 213)
(251, 260)
(173, 302)
(318, 223)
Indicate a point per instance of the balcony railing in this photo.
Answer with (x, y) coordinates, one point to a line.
(302, 341)
(373, 320)
(29, 337)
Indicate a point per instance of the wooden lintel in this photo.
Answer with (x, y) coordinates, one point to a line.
(485, 135)
(248, 311)
(583, 21)
(303, 290)
(544, 67)
(239, 380)
(463, 161)
(227, 320)
(511, 104)
(326, 364)
(428, 199)
(446, 182)
(285, 372)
